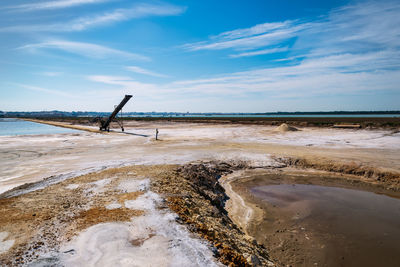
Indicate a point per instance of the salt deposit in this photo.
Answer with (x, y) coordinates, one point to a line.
(134, 185)
(5, 244)
(32, 158)
(72, 186)
(336, 138)
(141, 243)
(154, 239)
(256, 160)
(146, 201)
(98, 186)
(113, 206)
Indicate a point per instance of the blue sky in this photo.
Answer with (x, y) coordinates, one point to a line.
(200, 56)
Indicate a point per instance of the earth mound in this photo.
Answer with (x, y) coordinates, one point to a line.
(285, 128)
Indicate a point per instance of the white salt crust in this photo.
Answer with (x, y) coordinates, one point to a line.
(72, 186)
(154, 239)
(5, 245)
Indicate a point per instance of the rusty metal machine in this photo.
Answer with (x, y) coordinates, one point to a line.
(105, 122)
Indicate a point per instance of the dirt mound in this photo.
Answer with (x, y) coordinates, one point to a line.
(285, 128)
(199, 200)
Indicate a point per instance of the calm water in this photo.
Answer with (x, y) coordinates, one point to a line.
(354, 228)
(21, 127)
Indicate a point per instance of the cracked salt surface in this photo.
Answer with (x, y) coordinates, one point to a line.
(154, 239)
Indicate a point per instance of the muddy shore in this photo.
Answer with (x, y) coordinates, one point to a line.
(291, 239)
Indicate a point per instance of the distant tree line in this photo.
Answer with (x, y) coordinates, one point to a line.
(57, 113)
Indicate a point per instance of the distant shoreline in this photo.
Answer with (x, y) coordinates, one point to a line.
(57, 113)
(363, 122)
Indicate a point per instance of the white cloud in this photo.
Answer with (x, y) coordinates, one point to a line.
(124, 83)
(351, 50)
(251, 38)
(260, 52)
(84, 49)
(45, 5)
(339, 74)
(145, 71)
(44, 90)
(353, 28)
(331, 75)
(358, 28)
(255, 30)
(139, 11)
(107, 18)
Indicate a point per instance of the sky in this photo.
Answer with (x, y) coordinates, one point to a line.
(200, 56)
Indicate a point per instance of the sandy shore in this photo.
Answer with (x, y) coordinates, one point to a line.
(67, 125)
(37, 171)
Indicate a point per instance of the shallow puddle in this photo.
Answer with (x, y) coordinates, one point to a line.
(314, 225)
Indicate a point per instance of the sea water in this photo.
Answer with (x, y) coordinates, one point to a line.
(9, 126)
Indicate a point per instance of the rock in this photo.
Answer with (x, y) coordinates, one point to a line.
(253, 260)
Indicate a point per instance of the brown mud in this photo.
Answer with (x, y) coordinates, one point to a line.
(196, 195)
(296, 236)
(372, 175)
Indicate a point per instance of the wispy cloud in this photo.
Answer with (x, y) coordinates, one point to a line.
(44, 90)
(107, 18)
(84, 49)
(46, 5)
(138, 11)
(344, 52)
(145, 71)
(353, 28)
(251, 38)
(255, 30)
(340, 74)
(260, 52)
(127, 84)
(352, 50)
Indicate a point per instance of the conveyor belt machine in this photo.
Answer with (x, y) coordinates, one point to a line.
(105, 122)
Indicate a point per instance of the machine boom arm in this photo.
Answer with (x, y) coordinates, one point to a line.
(106, 125)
